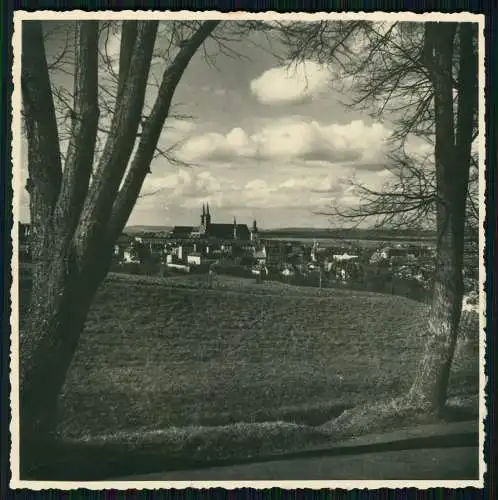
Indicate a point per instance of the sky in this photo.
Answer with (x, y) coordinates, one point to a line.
(257, 139)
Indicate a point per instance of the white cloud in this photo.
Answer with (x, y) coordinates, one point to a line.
(418, 148)
(316, 184)
(275, 188)
(176, 181)
(294, 139)
(207, 183)
(287, 84)
(291, 83)
(175, 130)
(211, 146)
(256, 185)
(182, 184)
(261, 193)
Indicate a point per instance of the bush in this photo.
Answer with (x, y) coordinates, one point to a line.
(231, 270)
(126, 268)
(150, 267)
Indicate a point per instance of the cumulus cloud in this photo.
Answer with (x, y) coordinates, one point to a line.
(176, 130)
(176, 181)
(286, 84)
(294, 139)
(311, 194)
(271, 189)
(317, 184)
(182, 184)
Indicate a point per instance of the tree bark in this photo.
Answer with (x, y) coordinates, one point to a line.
(92, 227)
(452, 158)
(77, 222)
(59, 298)
(59, 305)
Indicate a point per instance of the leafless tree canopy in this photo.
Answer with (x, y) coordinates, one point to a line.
(382, 67)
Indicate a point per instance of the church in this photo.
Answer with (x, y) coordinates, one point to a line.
(209, 229)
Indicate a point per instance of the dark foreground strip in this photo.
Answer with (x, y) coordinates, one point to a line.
(100, 462)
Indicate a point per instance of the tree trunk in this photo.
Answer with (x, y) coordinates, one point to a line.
(75, 222)
(59, 306)
(452, 158)
(61, 297)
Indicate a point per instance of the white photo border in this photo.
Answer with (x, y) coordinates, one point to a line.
(19, 17)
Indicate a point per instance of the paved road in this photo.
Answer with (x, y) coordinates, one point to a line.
(427, 464)
(382, 456)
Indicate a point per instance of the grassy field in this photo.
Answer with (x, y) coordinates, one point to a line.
(159, 352)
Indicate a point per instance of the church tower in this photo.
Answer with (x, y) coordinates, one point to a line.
(254, 230)
(207, 217)
(234, 228)
(203, 215)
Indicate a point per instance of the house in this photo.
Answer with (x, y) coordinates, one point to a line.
(344, 257)
(314, 251)
(154, 243)
(379, 255)
(276, 252)
(317, 253)
(182, 251)
(171, 258)
(260, 270)
(123, 244)
(260, 254)
(296, 258)
(246, 247)
(178, 267)
(194, 258)
(181, 232)
(130, 256)
(226, 248)
(288, 272)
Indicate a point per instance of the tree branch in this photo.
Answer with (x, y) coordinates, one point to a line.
(151, 131)
(79, 162)
(44, 159)
(128, 39)
(119, 144)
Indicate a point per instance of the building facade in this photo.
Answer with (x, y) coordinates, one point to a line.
(220, 231)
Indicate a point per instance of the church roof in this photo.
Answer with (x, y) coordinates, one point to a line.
(226, 230)
(182, 230)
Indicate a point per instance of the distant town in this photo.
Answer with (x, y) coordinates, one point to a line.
(396, 262)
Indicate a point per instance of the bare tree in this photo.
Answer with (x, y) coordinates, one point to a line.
(454, 133)
(408, 199)
(80, 204)
(425, 77)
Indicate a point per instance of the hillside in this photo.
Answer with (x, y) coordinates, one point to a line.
(310, 232)
(146, 229)
(154, 355)
(353, 234)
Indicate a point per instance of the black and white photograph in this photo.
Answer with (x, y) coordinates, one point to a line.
(247, 250)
